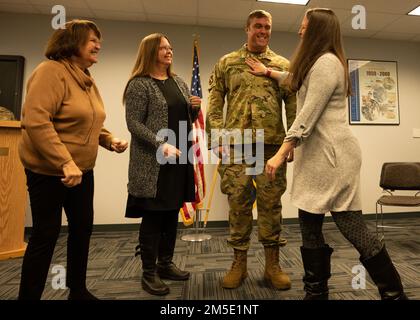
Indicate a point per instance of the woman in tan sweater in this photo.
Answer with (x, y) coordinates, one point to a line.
(62, 123)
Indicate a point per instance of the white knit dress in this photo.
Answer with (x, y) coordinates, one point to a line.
(326, 173)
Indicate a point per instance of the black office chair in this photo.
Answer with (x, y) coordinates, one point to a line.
(398, 176)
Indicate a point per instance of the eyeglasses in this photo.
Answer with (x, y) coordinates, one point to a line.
(166, 49)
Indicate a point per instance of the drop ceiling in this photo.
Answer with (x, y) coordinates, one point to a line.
(385, 19)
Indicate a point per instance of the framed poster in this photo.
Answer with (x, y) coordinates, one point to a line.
(375, 92)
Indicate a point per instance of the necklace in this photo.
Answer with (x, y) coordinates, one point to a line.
(161, 81)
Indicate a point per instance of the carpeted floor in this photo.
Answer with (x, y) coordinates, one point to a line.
(114, 272)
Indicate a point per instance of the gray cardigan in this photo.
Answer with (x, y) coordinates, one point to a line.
(326, 171)
(146, 114)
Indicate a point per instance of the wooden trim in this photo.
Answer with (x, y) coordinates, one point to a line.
(10, 124)
(13, 192)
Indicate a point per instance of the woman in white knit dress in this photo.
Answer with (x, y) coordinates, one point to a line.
(327, 157)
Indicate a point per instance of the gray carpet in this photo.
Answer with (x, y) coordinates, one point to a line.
(114, 272)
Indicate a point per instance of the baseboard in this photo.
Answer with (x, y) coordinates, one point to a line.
(225, 224)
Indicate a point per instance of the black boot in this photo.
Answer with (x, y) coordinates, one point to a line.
(152, 283)
(317, 265)
(165, 267)
(172, 272)
(385, 276)
(150, 280)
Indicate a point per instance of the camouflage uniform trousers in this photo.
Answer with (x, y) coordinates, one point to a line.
(241, 192)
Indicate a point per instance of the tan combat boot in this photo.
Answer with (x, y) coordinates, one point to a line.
(273, 273)
(238, 272)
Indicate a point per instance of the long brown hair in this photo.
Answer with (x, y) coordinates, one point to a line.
(67, 42)
(322, 35)
(147, 55)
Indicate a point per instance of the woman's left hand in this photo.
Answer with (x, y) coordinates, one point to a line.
(257, 68)
(272, 165)
(285, 153)
(118, 145)
(195, 101)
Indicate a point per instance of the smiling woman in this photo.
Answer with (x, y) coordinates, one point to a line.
(324, 146)
(88, 53)
(62, 127)
(157, 100)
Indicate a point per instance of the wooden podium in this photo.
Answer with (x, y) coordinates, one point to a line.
(12, 192)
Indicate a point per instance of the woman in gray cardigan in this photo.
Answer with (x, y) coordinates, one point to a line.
(327, 164)
(159, 114)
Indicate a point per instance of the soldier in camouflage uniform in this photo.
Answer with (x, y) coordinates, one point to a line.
(252, 103)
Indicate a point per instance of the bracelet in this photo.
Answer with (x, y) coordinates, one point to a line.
(268, 72)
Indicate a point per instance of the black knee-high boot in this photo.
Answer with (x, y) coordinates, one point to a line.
(151, 282)
(385, 276)
(317, 265)
(165, 267)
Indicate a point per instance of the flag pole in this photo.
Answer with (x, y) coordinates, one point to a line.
(195, 47)
(199, 167)
(213, 184)
(200, 206)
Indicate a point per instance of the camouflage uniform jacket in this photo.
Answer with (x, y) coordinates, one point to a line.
(253, 102)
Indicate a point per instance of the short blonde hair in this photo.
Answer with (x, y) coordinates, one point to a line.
(258, 14)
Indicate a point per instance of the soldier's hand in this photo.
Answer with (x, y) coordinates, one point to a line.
(257, 68)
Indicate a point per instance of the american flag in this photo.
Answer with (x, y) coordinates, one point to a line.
(188, 209)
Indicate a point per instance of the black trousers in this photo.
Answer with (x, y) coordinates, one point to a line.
(159, 222)
(157, 237)
(48, 196)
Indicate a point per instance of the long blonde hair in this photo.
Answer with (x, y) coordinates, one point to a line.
(146, 59)
(322, 35)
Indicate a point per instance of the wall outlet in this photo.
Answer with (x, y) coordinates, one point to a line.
(416, 133)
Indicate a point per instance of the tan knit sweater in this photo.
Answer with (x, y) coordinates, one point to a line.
(62, 119)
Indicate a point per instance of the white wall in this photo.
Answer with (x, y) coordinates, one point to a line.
(27, 34)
